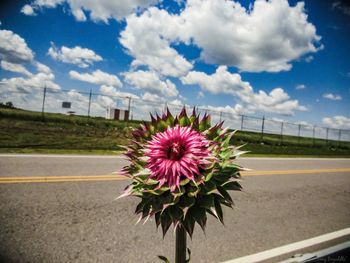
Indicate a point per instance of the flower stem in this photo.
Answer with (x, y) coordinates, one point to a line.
(180, 250)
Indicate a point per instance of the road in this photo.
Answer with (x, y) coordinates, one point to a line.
(81, 221)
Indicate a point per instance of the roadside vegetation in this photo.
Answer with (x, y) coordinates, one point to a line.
(31, 132)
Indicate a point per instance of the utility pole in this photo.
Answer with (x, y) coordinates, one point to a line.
(262, 128)
(129, 98)
(327, 131)
(129, 106)
(242, 120)
(220, 116)
(89, 102)
(313, 136)
(339, 137)
(282, 132)
(43, 106)
(299, 127)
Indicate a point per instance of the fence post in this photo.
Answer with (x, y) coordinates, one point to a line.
(299, 127)
(327, 130)
(262, 127)
(282, 132)
(129, 104)
(89, 102)
(43, 106)
(339, 137)
(129, 98)
(313, 137)
(242, 122)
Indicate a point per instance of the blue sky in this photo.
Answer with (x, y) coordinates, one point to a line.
(283, 59)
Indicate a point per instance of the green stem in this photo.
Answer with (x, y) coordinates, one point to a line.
(180, 250)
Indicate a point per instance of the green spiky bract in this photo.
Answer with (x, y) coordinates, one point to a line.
(193, 200)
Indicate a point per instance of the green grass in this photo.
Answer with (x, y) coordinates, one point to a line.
(29, 132)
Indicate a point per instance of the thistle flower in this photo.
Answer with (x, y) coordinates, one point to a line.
(176, 154)
(182, 169)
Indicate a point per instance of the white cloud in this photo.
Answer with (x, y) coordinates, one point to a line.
(151, 97)
(226, 33)
(14, 68)
(47, 3)
(147, 38)
(303, 123)
(222, 81)
(14, 52)
(79, 15)
(337, 122)
(300, 87)
(308, 59)
(42, 68)
(13, 48)
(178, 103)
(265, 38)
(200, 95)
(237, 110)
(150, 81)
(101, 10)
(28, 10)
(39, 80)
(342, 6)
(82, 57)
(112, 91)
(97, 77)
(332, 96)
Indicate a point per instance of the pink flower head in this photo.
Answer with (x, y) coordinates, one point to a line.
(176, 154)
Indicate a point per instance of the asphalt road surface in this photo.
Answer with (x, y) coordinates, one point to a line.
(80, 221)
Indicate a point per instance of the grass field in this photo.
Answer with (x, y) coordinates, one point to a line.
(30, 132)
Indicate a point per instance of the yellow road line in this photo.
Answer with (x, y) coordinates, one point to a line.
(307, 171)
(62, 177)
(95, 178)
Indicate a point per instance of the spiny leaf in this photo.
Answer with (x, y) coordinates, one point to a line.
(209, 176)
(218, 210)
(176, 214)
(183, 121)
(192, 191)
(189, 255)
(161, 126)
(165, 221)
(212, 212)
(232, 186)
(199, 215)
(140, 206)
(206, 201)
(205, 123)
(186, 201)
(183, 112)
(157, 219)
(153, 120)
(164, 259)
(189, 224)
(208, 187)
(225, 194)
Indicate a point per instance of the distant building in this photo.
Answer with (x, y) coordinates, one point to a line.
(117, 114)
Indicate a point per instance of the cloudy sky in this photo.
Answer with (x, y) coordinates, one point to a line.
(286, 60)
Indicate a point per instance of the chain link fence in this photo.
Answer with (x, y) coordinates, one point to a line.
(96, 104)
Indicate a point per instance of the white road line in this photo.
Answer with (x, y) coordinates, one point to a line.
(319, 254)
(295, 158)
(275, 252)
(63, 156)
(122, 157)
